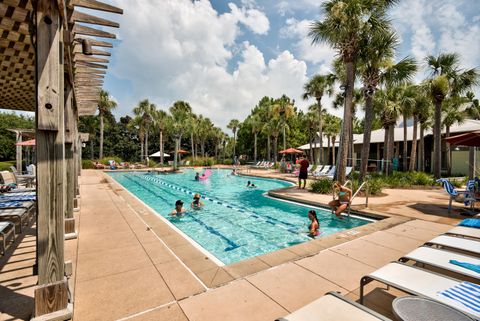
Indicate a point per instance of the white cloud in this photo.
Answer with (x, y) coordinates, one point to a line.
(285, 7)
(254, 19)
(179, 50)
(319, 53)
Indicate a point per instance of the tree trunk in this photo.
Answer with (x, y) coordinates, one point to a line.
(141, 150)
(100, 154)
(202, 147)
(437, 140)
(421, 150)
(268, 148)
(472, 163)
(91, 149)
(311, 148)
(175, 157)
(320, 132)
(161, 148)
(391, 143)
(275, 147)
(405, 144)
(449, 152)
(146, 145)
(326, 160)
(367, 135)
(284, 138)
(333, 149)
(255, 147)
(192, 143)
(347, 120)
(234, 144)
(413, 153)
(386, 163)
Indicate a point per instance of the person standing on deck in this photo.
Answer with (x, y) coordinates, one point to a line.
(303, 174)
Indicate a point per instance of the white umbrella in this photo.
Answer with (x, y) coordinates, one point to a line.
(157, 154)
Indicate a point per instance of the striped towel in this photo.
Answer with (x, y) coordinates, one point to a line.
(449, 188)
(20, 198)
(466, 265)
(465, 293)
(10, 204)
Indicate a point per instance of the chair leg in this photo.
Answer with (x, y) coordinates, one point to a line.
(450, 206)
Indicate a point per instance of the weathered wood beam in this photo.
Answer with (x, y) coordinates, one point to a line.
(95, 42)
(81, 76)
(77, 48)
(88, 83)
(96, 5)
(90, 64)
(83, 30)
(87, 58)
(70, 138)
(86, 18)
(83, 90)
(52, 293)
(87, 70)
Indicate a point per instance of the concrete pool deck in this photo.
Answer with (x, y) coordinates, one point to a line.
(128, 264)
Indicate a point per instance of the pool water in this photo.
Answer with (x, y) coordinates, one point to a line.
(236, 222)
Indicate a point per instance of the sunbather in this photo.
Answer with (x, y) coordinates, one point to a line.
(344, 195)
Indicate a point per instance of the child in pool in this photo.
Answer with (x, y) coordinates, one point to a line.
(179, 211)
(196, 204)
(314, 225)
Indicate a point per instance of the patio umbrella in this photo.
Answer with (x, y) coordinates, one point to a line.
(468, 139)
(30, 142)
(181, 151)
(291, 151)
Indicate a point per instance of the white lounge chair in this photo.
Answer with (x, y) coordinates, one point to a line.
(331, 172)
(417, 281)
(324, 170)
(465, 232)
(332, 307)
(440, 258)
(456, 244)
(317, 170)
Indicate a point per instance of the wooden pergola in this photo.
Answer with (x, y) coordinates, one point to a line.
(50, 64)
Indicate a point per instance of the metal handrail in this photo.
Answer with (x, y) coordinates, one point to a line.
(365, 183)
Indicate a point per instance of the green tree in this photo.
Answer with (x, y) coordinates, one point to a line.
(420, 113)
(180, 112)
(160, 122)
(454, 111)
(316, 87)
(447, 79)
(283, 110)
(105, 104)
(8, 138)
(343, 27)
(256, 126)
(233, 125)
(145, 110)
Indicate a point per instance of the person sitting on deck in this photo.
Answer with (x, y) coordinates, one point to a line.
(344, 195)
(197, 176)
(314, 225)
(179, 210)
(196, 204)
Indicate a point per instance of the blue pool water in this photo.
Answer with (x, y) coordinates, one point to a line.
(236, 222)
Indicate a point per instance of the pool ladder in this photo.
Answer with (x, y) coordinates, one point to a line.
(364, 184)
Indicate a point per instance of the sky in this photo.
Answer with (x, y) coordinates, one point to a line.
(223, 56)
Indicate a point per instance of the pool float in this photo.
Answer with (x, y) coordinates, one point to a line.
(206, 175)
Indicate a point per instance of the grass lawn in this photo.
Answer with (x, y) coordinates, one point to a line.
(5, 166)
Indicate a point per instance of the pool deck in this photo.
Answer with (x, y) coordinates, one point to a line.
(129, 264)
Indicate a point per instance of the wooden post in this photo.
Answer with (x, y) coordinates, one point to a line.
(70, 161)
(50, 159)
(19, 152)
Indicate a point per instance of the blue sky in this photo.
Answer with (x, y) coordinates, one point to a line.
(223, 56)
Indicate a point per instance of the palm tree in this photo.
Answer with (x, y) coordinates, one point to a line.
(407, 104)
(345, 24)
(453, 112)
(419, 112)
(311, 121)
(274, 127)
(283, 109)
(217, 136)
(160, 120)
(316, 87)
(376, 68)
(234, 125)
(180, 112)
(205, 127)
(145, 110)
(137, 125)
(447, 79)
(104, 104)
(192, 125)
(332, 129)
(256, 125)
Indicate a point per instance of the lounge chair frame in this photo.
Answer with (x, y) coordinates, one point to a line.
(6, 230)
(369, 278)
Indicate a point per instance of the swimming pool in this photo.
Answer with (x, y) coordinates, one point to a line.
(236, 222)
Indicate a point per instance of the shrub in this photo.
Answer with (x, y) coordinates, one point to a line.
(203, 161)
(5, 166)
(152, 163)
(375, 186)
(228, 162)
(87, 164)
(105, 160)
(322, 186)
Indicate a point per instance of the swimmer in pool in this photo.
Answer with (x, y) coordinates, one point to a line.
(196, 204)
(197, 176)
(251, 185)
(314, 225)
(179, 210)
(344, 195)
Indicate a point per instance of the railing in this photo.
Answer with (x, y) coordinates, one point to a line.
(364, 184)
